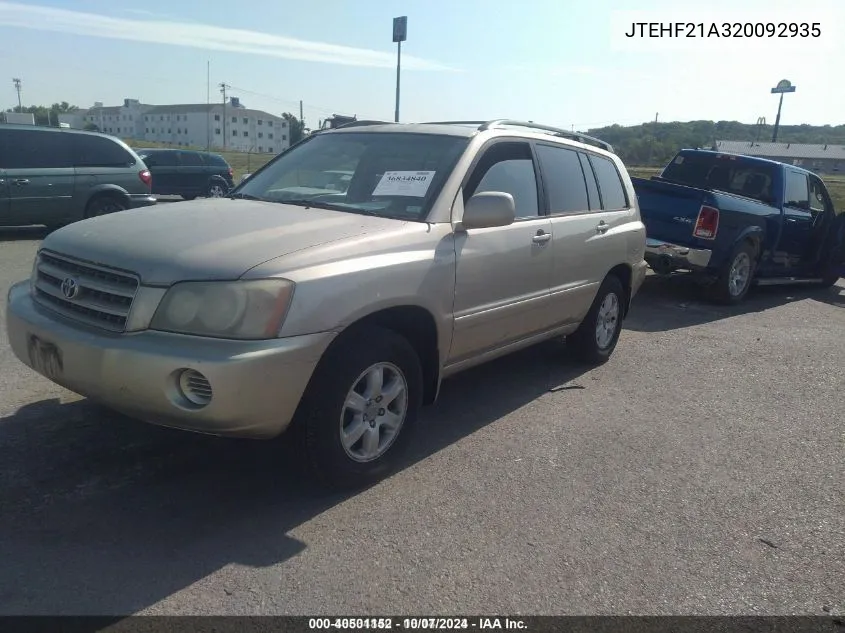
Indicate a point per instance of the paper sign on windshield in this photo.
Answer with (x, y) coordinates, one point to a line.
(404, 183)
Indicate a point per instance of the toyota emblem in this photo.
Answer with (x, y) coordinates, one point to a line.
(70, 288)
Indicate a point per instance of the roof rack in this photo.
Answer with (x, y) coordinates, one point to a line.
(575, 136)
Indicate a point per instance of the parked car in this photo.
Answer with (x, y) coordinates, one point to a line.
(54, 176)
(340, 312)
(186, 173)
(738, 220)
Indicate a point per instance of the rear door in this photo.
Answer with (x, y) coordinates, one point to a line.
(193, 174)
(797, 220)
(574, 207)
(40, 176)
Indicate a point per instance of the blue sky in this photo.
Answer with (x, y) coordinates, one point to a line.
(560, 62)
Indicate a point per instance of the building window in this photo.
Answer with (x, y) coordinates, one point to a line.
(169, 131)
(260, 148)
(270, 123)
(178, 130)
(284, 123)
(217, 131)
(216, 117)
(246, 133)
(284, 137)
(234, 132)
(234, 119)
(261, 135)
(147, 130)
(260, 122)
(270, 135)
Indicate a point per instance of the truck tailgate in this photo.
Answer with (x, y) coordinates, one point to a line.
(669, 211)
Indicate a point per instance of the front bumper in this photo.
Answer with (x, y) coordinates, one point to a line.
(255, 385)
(660, 254)
(136, 201)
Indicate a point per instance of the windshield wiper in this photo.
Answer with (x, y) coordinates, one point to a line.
(245, 196)
(317, 204)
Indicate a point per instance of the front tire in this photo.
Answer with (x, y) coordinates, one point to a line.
(597, 336)
(734, 281)
(361, 407)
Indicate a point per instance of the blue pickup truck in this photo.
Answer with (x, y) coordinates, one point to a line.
(738, 220)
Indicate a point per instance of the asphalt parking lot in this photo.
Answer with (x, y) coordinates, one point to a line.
(699, 471)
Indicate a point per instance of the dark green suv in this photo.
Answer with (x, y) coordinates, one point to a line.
(188, 173)
(55, 176)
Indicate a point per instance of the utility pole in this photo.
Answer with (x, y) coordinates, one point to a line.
(653, 136)
(208, 105)
(17, 83)
(301, 120)
(223, 88)
(400, 34)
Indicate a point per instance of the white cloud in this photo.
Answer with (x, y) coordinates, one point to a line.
(201, 36)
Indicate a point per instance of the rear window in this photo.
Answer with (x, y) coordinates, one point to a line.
(214, 159)
(98, 151)
(612, 190)
(722, 173)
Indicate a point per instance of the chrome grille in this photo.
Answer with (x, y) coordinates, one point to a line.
(102, 297)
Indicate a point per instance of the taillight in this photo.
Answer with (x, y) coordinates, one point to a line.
(146, 177)
(707, 223)
(231, 173)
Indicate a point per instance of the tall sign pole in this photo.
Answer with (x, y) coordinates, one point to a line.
(400, 34)
(784, 86)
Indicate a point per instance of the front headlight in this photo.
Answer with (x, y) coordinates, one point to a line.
(225, 309)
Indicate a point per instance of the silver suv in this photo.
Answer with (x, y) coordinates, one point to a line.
(340, 309)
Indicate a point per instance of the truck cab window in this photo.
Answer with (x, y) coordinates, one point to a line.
(797, 192)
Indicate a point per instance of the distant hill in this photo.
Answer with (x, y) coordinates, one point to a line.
(633, 143)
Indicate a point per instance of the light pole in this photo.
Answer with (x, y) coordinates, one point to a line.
(17, 83)
(784, 86)
(400, 34)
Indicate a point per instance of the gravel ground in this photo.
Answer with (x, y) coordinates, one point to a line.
(700, 471)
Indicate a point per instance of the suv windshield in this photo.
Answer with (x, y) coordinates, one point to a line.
(390, 174)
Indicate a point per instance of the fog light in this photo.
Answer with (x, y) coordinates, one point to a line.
(194, 387)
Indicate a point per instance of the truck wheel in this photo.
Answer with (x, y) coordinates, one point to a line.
(734, 280)
(216, 189)
(597, 336)
(360, 407)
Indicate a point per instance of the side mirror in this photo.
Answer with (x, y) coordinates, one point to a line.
(489, 209)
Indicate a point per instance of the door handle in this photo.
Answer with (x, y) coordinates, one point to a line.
(791, 220)
(541, 237)
(602, 227)
(21, 181)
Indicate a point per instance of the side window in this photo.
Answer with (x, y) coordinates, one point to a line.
(819, 199)
(610, 184)
(190, 159)
(564, 179)
(32, 149)
(592, 185)
(97, 151)
(797, 190)
(508, 167)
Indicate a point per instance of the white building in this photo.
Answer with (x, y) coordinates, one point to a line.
(229, 127)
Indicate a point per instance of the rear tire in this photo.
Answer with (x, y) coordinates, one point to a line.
(104, 205)
(354, 428)
(735, 279)
(216, 189)
(596, 338)
(188, 197)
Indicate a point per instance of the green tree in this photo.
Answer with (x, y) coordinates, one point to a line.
(296, 127)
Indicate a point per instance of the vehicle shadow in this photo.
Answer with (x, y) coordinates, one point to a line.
(104, 515)
(21, 233)
(674, 302)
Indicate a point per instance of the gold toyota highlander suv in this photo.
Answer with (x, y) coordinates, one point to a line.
(340, 308)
